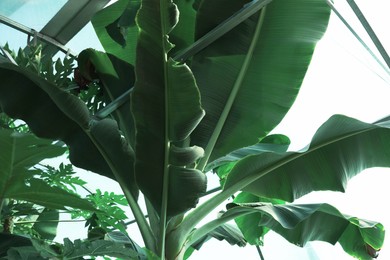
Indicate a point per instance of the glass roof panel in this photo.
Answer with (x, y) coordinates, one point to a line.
(85, 38)
(31, 13)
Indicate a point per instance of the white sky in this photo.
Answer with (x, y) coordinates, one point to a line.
(341, 80)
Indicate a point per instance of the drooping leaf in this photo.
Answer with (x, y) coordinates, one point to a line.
(250, 77)
(226, 232)
(120, 237)
(116, 29)
(117, 77)
(166, 108)
(55, 114)
(248, 224)
(39, 192)
(300, 224)
(341, 148)
(18, 153)
(47, 223)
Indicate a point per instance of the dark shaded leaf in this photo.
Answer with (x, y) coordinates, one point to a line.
(54, 114)
(9, 240)
(116, 77)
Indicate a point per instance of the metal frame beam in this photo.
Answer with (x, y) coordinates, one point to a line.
(70, 19)
(31, 32)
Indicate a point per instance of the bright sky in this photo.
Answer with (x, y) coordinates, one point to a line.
(342, 79)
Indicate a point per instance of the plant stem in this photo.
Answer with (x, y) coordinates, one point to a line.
(260, 253)
(370, 31)
(146, 232)
(49, 221)
(164, 17)
(233, 94)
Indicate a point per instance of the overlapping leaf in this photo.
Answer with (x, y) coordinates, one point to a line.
(254, 72)
(54, 114)
(248, 224)
(166, 107)
(300, 224)
(20, 152)
(116, 77)
(273, 143)
(116, 29)
(341, 148)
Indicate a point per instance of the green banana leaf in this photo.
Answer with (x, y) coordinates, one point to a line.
(116, 77)
(250, 77)
(55, 114)
(116, 29)
(300, 224)
(248, 224)
(166, 108)
(18, 153)
(341, 148)
(227, 232)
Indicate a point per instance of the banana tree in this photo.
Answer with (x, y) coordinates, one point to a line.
(197, 86)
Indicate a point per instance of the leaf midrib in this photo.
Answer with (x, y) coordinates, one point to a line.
(233, 94)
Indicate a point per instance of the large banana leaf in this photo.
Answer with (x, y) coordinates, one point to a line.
(55, 114)
(300, 224)
(341, 148)
(166, 108)
(20, 152)
(250, 77)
